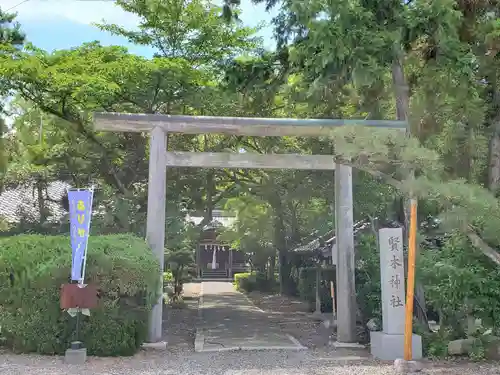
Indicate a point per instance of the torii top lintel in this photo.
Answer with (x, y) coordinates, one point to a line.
(249, 126)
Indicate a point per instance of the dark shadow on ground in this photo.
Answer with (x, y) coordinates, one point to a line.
(230, 319)
(179, 324)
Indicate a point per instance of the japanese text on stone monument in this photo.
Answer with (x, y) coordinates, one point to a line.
(392, 280)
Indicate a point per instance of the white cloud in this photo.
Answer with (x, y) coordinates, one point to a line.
(80, 11)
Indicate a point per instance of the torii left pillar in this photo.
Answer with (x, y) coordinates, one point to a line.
(155, 227)
(344, 233)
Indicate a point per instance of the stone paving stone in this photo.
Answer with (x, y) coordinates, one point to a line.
(230, 321)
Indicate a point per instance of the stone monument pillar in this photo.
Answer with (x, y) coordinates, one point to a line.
(389, 344)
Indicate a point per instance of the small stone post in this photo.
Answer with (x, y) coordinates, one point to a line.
(389, 344)
(231, 263)
(318, 297)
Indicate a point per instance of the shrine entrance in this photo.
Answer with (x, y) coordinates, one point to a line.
(216, 260)
(159, 126)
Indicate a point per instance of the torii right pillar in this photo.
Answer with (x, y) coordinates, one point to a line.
(345, 259)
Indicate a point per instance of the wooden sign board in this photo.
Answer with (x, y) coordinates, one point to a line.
(75, 296)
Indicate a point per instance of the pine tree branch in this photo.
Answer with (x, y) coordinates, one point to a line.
(480, 244)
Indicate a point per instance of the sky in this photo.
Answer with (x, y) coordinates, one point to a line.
(61, 24)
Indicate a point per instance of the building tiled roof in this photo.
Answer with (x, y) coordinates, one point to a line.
(323, 245)
(23, 201)
(220, 219)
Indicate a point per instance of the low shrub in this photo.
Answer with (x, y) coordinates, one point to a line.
(32, 269)
(180, 264)
(434, 344)
(265, 284)
(459, 280)
(368, 290)
(168, 278)
(255, 281)
(244, 281)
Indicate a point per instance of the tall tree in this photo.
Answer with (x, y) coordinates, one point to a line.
(192, 30)
(10, 30)
(182, 80)
(3, 153)
(10, 36)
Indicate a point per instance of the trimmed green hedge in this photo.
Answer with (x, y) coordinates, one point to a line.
(243, 282)
(32, 269)
(251, 281)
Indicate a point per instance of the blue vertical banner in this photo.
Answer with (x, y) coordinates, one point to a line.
(80, 214)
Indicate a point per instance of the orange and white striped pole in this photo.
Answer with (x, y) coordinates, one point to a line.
(410, 288)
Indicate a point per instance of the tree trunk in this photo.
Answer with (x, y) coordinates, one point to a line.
(210, 186)
(294, 224)
(209, 204)
(494, 159)
(281, 246)
(272, 266)
(401, 90)
(210, 190)
(3, 154)
(402, 95)
(41, 202)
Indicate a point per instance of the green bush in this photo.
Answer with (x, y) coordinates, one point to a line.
(368, 290)
(435, 344)
(307, 286)
(460, 281)
(245, 282)
(265, 284)
(32, 269)
(168, 278)
(181, 265)
(255, 281)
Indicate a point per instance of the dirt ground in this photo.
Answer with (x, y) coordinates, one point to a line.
(294, 318)
(179, 324)
(292, 315)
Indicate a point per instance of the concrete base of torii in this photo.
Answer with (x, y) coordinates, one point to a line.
(347, 345)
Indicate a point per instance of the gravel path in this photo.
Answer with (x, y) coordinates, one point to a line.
(180, 359)
(228, 363)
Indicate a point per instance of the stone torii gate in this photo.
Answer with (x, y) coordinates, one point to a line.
(159, 126)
